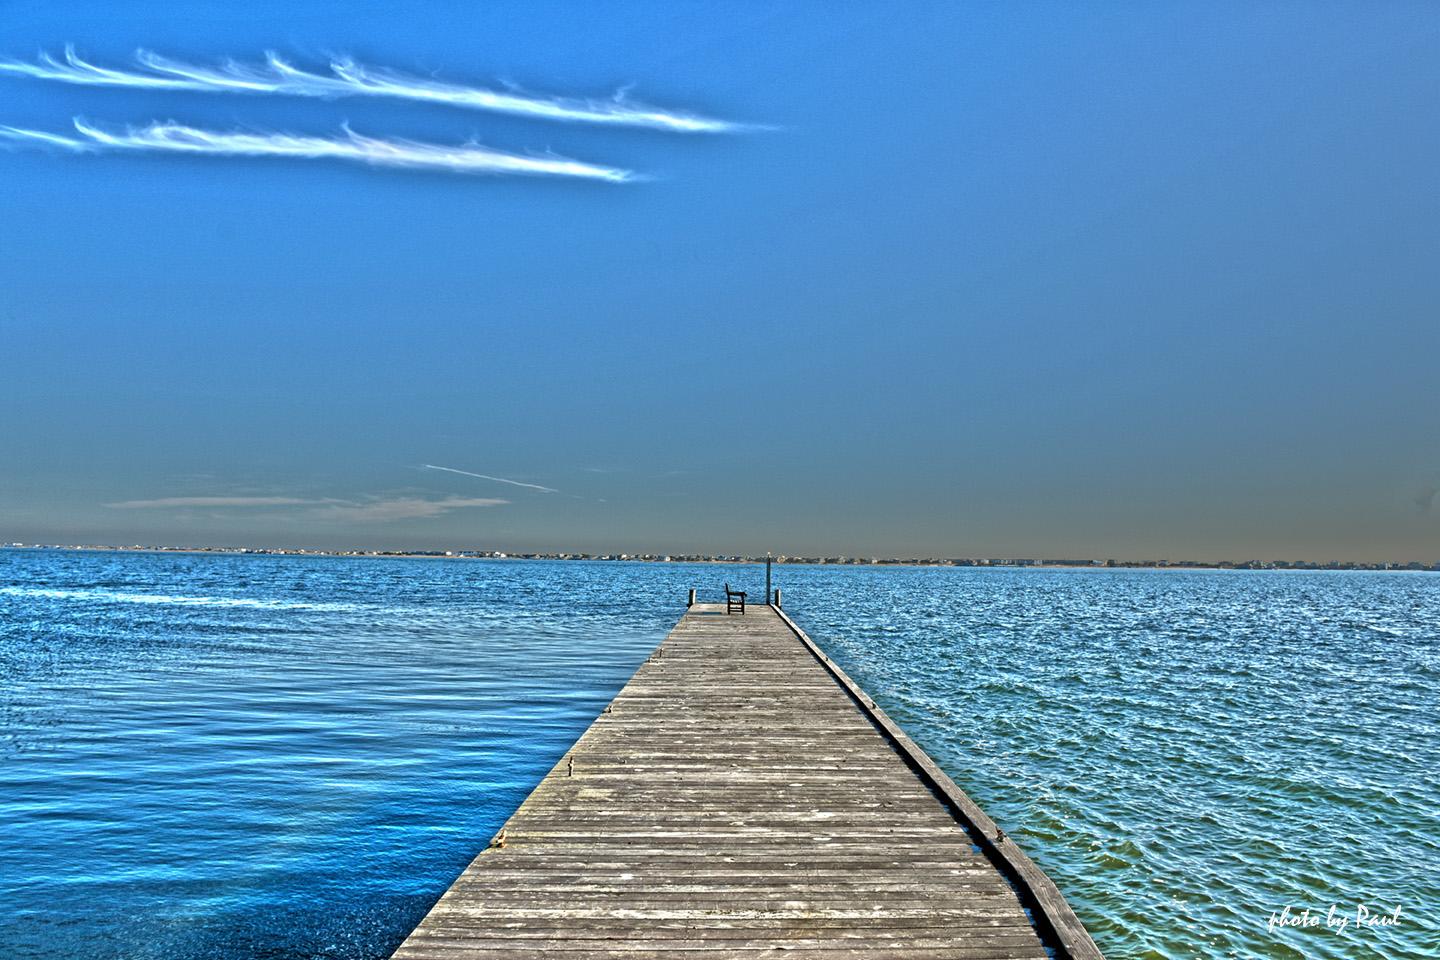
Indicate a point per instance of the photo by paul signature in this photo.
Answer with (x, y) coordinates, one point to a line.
(1335, 918)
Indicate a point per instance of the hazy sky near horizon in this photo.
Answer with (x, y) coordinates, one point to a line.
(1021, 279)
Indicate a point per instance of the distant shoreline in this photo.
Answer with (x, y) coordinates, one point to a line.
(1004, 563)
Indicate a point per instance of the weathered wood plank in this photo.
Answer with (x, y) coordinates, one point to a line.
(737, 797)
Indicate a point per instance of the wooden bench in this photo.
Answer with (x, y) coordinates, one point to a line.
(731, 603)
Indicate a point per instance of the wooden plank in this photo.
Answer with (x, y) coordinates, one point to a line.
(741, 796)
(1056, 918)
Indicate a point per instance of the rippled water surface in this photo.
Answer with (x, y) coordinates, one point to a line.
(1183, 752)
(284, 757)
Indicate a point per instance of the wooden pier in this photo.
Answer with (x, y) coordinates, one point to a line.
(741, 797)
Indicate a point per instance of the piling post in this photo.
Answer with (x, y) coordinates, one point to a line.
(768, 558)
(691, 601)
(777, 597)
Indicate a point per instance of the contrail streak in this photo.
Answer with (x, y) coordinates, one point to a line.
(348, 78)
(410, 154)
(467, 473)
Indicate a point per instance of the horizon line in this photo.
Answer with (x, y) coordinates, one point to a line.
(1094, 563)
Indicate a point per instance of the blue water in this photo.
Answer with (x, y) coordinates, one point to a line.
(285, 757)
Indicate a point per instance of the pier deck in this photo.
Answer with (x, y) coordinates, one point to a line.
(740, 797)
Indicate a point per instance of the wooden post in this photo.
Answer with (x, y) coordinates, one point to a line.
(777, 596)
(691, 602)
(767, 576)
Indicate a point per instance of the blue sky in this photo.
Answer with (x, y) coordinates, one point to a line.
(983, 279)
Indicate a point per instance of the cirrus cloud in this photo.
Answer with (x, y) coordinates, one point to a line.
(348, 78)
(173, 137)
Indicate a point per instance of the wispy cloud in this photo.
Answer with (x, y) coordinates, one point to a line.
(210, 502)
(402, 508)
(483, 476)
(370, 510)
(347, 78)
(409, 154)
